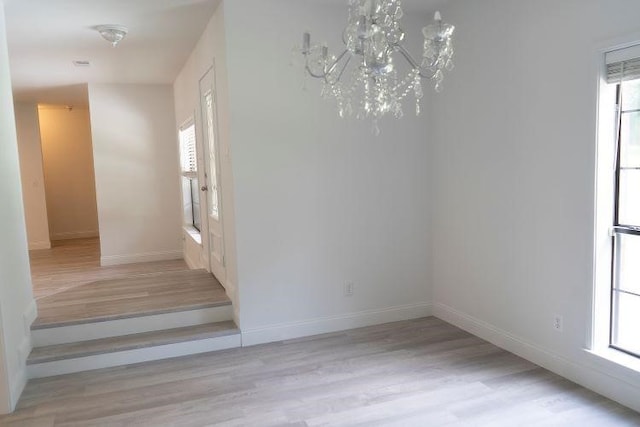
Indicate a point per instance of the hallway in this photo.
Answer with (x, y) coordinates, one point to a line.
(72, 263)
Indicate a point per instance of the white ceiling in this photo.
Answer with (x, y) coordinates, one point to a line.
(45, 36)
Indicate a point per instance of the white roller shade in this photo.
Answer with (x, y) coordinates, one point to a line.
(623, 64)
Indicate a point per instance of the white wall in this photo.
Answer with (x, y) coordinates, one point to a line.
(68, 172)
(137, 169)
(512, 179)
(16, 298)
(31, 172)
(210, 49)
(318, 200)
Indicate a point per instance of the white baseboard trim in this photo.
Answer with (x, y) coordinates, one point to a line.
(144, 257)
(190, 263)
(591, 377)
(75, 235)
(18, 385)
(29, 315)
(127, 357)
(42, 244)
(231, 292)
(23, 350)
(285, 331)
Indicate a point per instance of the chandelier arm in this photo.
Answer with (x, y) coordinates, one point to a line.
(312, 74)
(328, 70)
(344, 67)
(422, 72)
(333, 66)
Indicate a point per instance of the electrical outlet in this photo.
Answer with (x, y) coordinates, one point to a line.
(348, 289)
(557, 323)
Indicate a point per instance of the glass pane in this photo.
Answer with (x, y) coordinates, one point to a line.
(213, 176)
(625, 333)
(188, 157)
(195, 204)
(629, 197)
(630, 138)
(187, 207)
(631, 95)
(627, 265)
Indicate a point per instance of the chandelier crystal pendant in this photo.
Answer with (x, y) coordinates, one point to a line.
(364, 77)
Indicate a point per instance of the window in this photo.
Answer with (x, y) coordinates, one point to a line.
(189, 170)
(624, 332)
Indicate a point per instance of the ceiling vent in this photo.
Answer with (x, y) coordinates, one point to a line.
(81, 63)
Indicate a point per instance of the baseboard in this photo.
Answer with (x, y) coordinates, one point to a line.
(24, 348)
(18, 385)
(285, 331)
(230, 289)
(42, 244)
(30, 315)
(190, 263)
(600, 381)
(75, 235)
(144, 257)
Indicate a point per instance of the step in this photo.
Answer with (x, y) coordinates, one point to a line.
(106, 327)
(134, 348)
(131, 296)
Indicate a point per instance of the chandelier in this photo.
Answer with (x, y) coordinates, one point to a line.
(364, 77)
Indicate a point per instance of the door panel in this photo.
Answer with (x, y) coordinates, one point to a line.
(215, 235)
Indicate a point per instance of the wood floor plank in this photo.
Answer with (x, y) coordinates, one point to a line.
(73, 288)
(414, 373)
(70, 263)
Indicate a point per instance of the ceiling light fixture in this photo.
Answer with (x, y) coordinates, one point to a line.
(373, 37)
(112, 33)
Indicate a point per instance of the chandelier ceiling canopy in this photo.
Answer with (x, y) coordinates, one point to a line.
(364, 77)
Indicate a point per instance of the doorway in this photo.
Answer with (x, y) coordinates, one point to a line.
(69, 177)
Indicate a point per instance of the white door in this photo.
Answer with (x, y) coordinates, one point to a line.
(214, 242)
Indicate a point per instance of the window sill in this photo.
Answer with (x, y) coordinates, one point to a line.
(617, 363)
(193, 233)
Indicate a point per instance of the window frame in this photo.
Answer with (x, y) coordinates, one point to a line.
(618, 229)
(618, 363)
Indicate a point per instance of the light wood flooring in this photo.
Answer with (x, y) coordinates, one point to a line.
(415, 373)
(70, 263)
(73, 288)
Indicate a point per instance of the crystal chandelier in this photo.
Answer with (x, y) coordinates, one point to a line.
(364, 76)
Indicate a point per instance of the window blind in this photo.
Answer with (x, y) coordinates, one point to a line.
(623, 64)
(187, 137)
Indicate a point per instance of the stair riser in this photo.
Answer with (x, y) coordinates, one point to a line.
(133, 325)
(107, 360)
